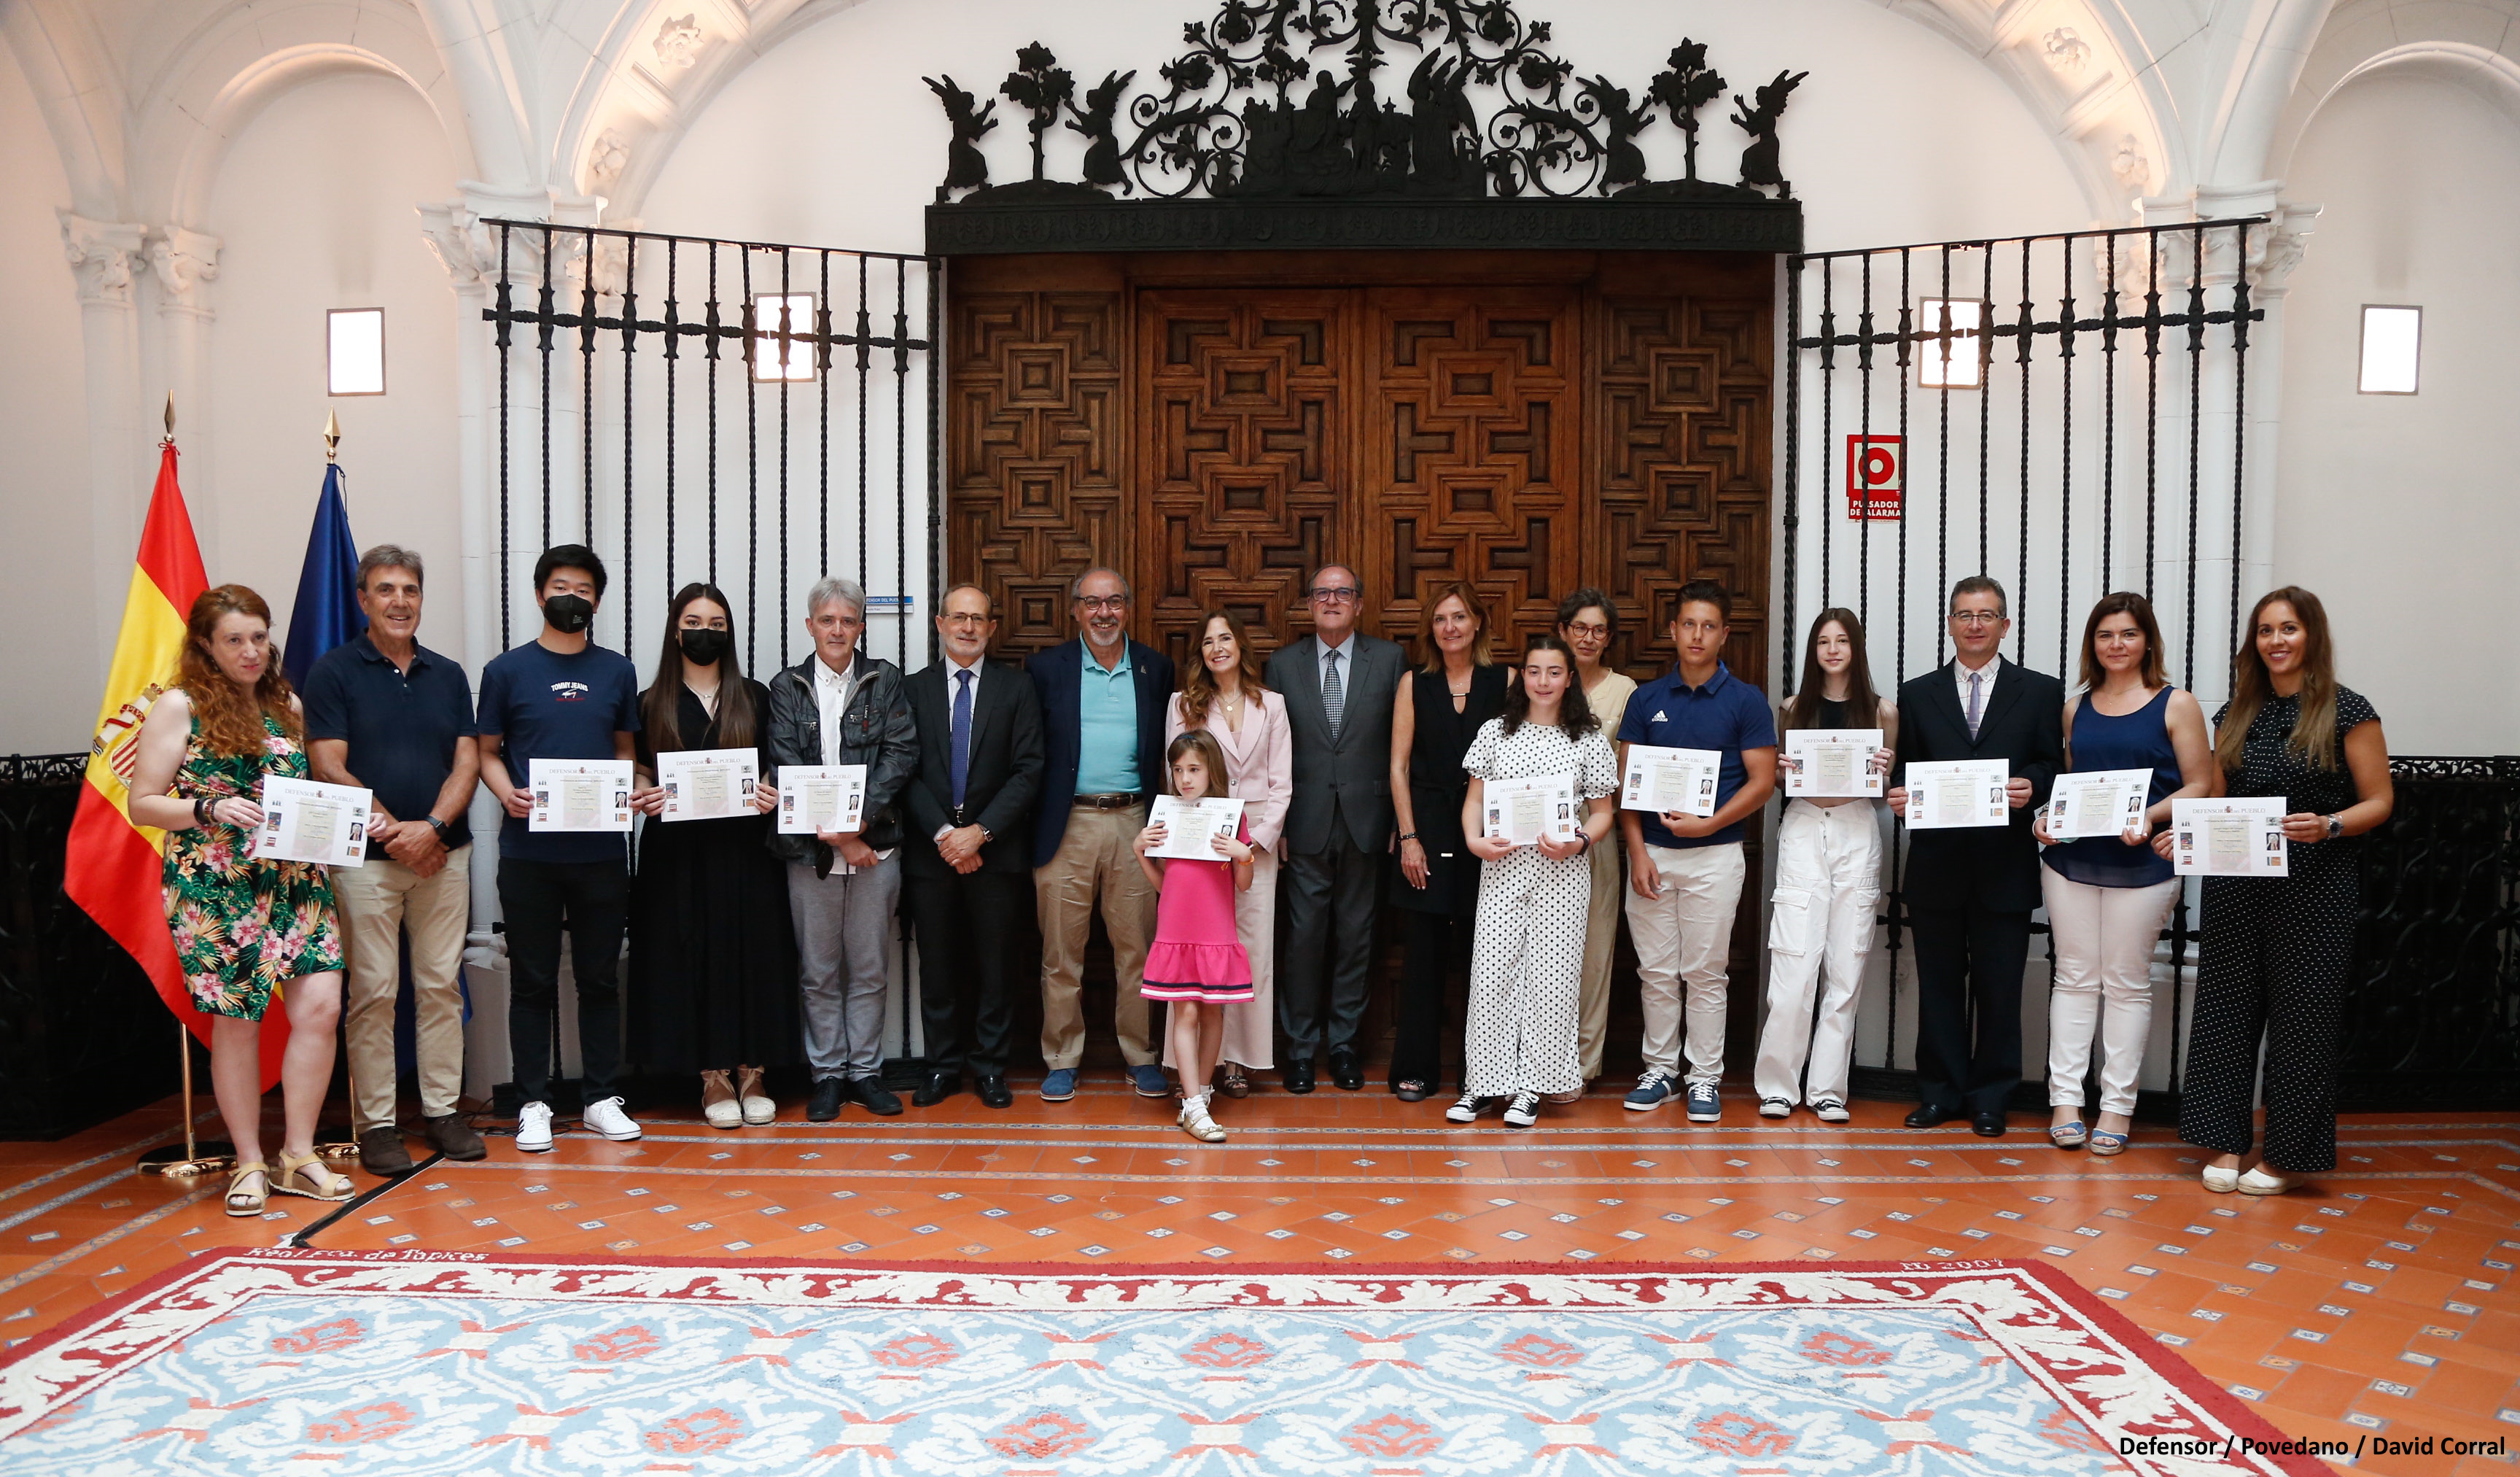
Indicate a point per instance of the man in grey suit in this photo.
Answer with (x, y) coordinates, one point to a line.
(1339, 688)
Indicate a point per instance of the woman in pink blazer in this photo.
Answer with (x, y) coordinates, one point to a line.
(1248, 722)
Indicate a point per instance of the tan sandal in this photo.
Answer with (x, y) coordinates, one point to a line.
(306, 1175)
(240, 1202)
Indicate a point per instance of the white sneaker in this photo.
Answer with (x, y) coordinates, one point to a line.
(1523, 1111)
(1464, 1111)
(1831, 1110)
(533, 1128)
(605, 1116)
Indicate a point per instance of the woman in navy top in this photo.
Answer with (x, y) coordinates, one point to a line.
(2107, 895)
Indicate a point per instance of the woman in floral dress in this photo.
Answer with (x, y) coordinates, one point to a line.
(243, 929)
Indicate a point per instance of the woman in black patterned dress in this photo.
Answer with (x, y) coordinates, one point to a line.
(2277, 950)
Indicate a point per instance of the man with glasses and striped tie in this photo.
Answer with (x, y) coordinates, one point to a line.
(1339, 688)
(1970, 889)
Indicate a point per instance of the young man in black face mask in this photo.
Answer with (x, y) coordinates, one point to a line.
(561, 696)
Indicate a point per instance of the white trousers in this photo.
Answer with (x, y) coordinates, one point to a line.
(1685, 935)
(1819, 933)
(2102, 939)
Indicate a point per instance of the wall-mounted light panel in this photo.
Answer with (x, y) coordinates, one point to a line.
(355, 350)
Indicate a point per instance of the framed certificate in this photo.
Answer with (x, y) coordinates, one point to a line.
(1833, 763)
(2229, 838)
(816, 798)
(304, 820)
(580, 794)
(1524, 810)
(1945, 794)
(1676, 780)
(1192, 827)
(706, 784)
(2103, 803)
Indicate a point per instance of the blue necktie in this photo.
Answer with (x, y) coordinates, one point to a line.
(961, 739)
(1974, 693)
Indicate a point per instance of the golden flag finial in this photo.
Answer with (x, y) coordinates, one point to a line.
(170, 415)
(332, 436)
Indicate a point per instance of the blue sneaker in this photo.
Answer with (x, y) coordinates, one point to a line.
(1653, 1089)
(1060, 1085)
(1151, 1081)
(1702, 1104)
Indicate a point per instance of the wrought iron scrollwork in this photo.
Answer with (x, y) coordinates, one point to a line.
(1302, 100)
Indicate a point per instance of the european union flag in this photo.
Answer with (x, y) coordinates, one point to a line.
(328, 611)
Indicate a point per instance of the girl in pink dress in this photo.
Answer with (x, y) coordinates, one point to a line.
(1196, 965)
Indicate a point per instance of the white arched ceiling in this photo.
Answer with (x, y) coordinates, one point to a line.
(2474, 45)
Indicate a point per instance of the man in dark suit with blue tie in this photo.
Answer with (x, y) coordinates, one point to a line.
(1103, 699)
(1970, 889)
(970, 878)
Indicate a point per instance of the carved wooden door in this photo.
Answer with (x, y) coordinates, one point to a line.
(1243, 468)
(1470, 453)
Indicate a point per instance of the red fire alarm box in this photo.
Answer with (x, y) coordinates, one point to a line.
(1877, 476)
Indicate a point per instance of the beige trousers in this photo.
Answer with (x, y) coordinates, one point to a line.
(1600, 939)
(1685, 940)
(1097, 853)
(377, 902)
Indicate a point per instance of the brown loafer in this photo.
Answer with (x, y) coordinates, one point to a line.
(449, 1135)
(1232, 1082)
(382, 1152)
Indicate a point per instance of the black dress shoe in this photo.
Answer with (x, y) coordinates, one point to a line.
(1987, 1124)
(994, 1093)
(1299, 1075)
(938, 1087)
(825, 1104)
(1345, 1068)
(1930, 1117)
(877, 1097)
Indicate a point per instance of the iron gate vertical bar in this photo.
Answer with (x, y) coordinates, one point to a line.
(751, 468)
(2066, 327)
(2239, 407)
(822, 437)
(901, 455)
(2152, 420)
(629, 349)
(2196, 416)
(935, 408)
(586, 392)
(1906, 327)
(1859, 494)
(547, 303)
(786, 349)
(1943, 451)
(506, 343)
(865, 347)
(2028, 331)
(1828, 408)
(1985, 412)
(2108, 418)
(1793, 367)
(673, 352)
(715, 338)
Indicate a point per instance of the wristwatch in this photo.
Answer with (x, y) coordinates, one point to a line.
(2335, 827)
(437, 826)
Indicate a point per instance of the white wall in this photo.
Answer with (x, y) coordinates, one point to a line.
(313, 204)
(2398, 510)
(54, 665)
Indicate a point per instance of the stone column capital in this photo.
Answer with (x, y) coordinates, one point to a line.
(102, 255)
(184, 259)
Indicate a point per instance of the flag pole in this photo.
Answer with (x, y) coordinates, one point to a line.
(338, 1151)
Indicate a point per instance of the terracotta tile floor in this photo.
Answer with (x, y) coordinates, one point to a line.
(2378, 1302)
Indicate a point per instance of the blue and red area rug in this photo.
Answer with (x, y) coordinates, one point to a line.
(418, 1363)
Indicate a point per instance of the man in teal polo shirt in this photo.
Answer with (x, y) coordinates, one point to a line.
(1687, 871)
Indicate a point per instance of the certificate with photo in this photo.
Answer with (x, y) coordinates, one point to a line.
(1677, 781)
(303, 821)
(1192, 827)
(1833, 763)
(706, 784)
(580, 794)
(1946, 793)
(1524, 810)
(2103, 802)
(2229, 838)
(817, 798)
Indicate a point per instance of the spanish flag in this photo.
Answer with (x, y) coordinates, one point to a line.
(114, 867)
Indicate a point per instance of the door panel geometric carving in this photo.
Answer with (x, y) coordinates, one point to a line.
(1243, 481)
(1037, 436)
(1472, 452)
(1681, 452)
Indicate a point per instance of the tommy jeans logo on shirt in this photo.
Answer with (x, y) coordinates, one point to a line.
(569, 692)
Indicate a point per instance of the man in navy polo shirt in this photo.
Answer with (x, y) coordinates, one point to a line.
(388, 714)
(1686, 870)
(561, 696)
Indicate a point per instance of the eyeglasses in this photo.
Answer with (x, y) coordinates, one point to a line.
(963, 618)
(1584, 631)
(1113, 603)
(1976, 617)
(1336, 594)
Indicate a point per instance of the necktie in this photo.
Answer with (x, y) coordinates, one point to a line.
(1975, 679)
(961, 739)
(1333, 696)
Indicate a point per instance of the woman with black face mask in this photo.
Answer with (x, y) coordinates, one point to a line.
(712, 956)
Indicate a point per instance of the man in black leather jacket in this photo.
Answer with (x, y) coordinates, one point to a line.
(842, 706)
